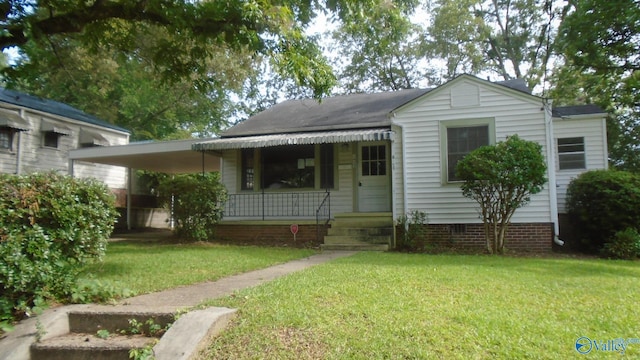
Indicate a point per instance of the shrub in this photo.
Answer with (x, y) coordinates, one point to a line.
(625, 244)
(413, 231)
(196, 203)
(501, 178)
(601, 203)
(50, 226)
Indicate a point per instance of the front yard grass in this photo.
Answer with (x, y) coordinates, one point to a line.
(144, 267)
(404, 306)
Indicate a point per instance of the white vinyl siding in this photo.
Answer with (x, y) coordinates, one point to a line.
(423, 157)
(593, 131)
(34, 156)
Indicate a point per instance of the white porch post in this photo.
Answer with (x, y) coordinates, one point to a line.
(129, 188)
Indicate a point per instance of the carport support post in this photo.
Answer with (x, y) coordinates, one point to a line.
(129, 187)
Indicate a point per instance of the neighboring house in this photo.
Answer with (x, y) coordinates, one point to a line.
(362, 161)
(37, 134)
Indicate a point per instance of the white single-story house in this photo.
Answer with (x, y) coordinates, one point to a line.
(37, 134)
(359, 162)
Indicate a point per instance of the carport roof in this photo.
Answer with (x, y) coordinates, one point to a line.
(172, 157)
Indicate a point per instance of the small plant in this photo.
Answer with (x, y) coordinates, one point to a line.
(145, 353)
(625, 244)
(103, 334)
(148, 328)
(40, 330)
(97, 291)
(413, 231)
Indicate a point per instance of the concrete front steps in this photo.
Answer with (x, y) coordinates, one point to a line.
(360, 231)
(79, 340)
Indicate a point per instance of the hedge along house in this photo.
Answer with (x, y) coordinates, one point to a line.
(359, 162)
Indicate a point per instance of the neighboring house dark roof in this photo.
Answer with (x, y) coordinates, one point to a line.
(563, 111)
(53, 107)
(355, 111)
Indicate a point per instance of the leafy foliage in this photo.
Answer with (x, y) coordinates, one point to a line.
(625, 244)
(502, 178)
(413, 231)
(512, 39)
(196, 203)
(50, 226)
(602, 202)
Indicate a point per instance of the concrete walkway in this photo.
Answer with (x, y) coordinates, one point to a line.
(15, 345)
(187, 296)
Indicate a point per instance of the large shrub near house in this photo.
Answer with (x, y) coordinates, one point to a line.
(196, 203)
(601, 203)
(50, 226)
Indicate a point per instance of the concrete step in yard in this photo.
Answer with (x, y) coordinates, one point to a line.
(96, 332)
(358, 231)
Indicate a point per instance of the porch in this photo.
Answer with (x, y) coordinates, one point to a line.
(267, 216)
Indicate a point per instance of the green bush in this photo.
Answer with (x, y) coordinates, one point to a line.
(50, 226)
(196, 203)
(625, 244)
(600, 203)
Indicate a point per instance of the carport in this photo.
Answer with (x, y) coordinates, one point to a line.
(171, 157)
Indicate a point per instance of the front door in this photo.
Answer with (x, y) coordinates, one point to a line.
(374, 193)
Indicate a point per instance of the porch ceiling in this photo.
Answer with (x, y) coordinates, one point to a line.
(171, 157)
(325, 137)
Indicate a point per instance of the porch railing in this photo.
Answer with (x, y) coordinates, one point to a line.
(323, 214)
(274, 205)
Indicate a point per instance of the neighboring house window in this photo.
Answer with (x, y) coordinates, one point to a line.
(6, 138)
(247, 169)
(50, 139)
(374, 160)
(460, 142)
(327, 172)
(288, 167)
(571, 153)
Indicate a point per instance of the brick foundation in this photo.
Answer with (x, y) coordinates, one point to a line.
(270, 234)
(520, 237)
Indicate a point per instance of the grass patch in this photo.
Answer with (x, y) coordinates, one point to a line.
(144, 266)
(389, 305)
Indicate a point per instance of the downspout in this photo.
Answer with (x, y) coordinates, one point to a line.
(404, 176)
(129, 188)
(19, 147)
(18, 153)
(551, 171)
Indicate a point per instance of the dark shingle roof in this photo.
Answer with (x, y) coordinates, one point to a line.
(355, 111)
(53, 107)
(562, 111)
(516, 84)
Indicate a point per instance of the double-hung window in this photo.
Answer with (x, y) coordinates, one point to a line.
(571, 153)
(459, 139)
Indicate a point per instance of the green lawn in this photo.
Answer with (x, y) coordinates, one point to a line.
(402, 306)
(151, 266)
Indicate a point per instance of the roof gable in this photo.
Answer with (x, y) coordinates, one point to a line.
(53, 107)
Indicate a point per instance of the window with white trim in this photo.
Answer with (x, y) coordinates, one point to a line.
(571, 153)
(6, 138)
(460, 137)
(50, 139)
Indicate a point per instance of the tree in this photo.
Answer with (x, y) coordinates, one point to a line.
(510, 38)
(192, 31)
(502, 178)
(380, 48)
(125, 90)
(600, 43)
